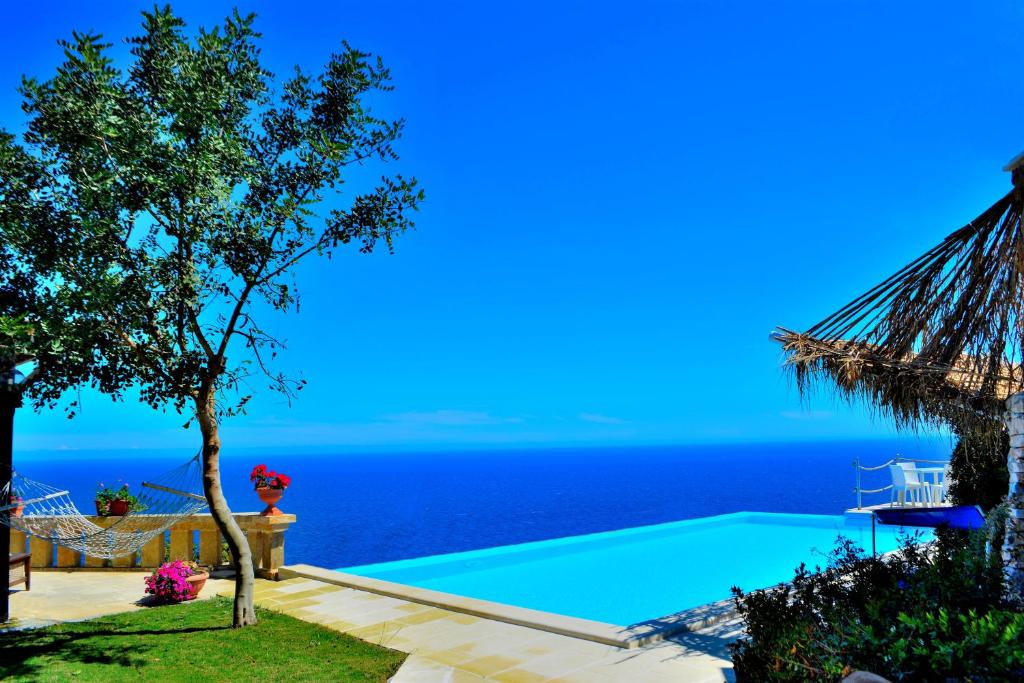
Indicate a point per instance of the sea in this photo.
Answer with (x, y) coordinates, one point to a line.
(361, 508)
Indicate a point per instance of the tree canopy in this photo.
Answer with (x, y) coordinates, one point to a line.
(149, 214)
(155, 205)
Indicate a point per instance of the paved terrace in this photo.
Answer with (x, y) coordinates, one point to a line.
(444, 646)
(452, 647)
(58, 596)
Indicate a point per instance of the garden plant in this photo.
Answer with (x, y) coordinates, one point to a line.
(927, 612)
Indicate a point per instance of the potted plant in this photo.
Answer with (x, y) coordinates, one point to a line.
(116, 502)
(176, 581)
(104, 494)
(18, 505)
(269, 487)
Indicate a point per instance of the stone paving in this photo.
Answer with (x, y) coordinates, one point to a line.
(451, 647)
(77, 595)
(443, 646)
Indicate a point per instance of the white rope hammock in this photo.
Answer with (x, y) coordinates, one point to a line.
(49, 513)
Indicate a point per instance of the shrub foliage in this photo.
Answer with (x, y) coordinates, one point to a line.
(928, 612)
(979, 472)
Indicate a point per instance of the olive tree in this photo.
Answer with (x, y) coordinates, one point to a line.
(162, 206)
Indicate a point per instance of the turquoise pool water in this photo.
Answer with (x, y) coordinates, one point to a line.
(629, 576)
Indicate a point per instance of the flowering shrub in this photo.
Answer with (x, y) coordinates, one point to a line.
(168, 582)
(262, 477)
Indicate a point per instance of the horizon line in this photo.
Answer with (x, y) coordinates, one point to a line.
(413, 449)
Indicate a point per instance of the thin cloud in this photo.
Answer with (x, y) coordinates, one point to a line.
(601, 419)
(806, 414)
(451, 418)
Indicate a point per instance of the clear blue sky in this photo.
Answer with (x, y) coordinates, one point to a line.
(620, 198)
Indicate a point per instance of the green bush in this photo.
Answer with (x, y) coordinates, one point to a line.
(978, 467)
(963, 647)
(926, 612)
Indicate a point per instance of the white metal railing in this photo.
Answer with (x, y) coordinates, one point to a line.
(858, 468)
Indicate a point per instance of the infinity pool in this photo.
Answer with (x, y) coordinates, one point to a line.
(629, 576)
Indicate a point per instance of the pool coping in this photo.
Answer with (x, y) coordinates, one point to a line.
(627, 637)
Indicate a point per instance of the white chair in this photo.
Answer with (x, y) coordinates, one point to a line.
(921, 486)
(907, 485)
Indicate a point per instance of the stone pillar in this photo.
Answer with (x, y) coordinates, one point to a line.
(153, 552)
(181, 543)
(1013, 543)
(209, 548)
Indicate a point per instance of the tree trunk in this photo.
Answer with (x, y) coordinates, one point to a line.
(9, 401)
(1013, 544)
(241, 555)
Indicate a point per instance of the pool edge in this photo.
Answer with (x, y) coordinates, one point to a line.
(625, 532)
(627, 637)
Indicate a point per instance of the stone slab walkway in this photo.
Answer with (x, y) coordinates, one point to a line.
(78, 595)
(451, 647)
(443, 646)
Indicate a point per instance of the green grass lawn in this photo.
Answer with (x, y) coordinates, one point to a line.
(191, 642)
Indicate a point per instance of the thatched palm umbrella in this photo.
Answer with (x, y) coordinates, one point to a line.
(940, 341)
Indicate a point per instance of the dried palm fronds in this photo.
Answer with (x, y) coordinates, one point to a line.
(939, 341)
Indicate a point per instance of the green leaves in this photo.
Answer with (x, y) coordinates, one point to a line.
(150, 210)
(380, 215)
(927, 612)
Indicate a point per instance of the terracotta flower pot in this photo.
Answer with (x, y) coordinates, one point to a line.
(270, 497)
(18, 511)
(196, 582)
(118, 508)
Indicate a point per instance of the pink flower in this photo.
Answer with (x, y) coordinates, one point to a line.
(168, 583)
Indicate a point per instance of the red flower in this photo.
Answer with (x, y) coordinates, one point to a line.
(262, 477)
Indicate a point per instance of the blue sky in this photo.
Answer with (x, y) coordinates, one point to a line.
(619, 197)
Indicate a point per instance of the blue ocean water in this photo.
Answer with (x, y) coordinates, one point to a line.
(364, 508)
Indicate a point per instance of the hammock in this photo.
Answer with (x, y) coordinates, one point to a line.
(49, 513)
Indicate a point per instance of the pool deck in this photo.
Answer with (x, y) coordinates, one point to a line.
(864, 513)
(59, 596)
(456, 647)
(444, 646)
(637, 635)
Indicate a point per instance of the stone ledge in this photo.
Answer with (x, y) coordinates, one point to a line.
(628, 637)
(203, 521)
